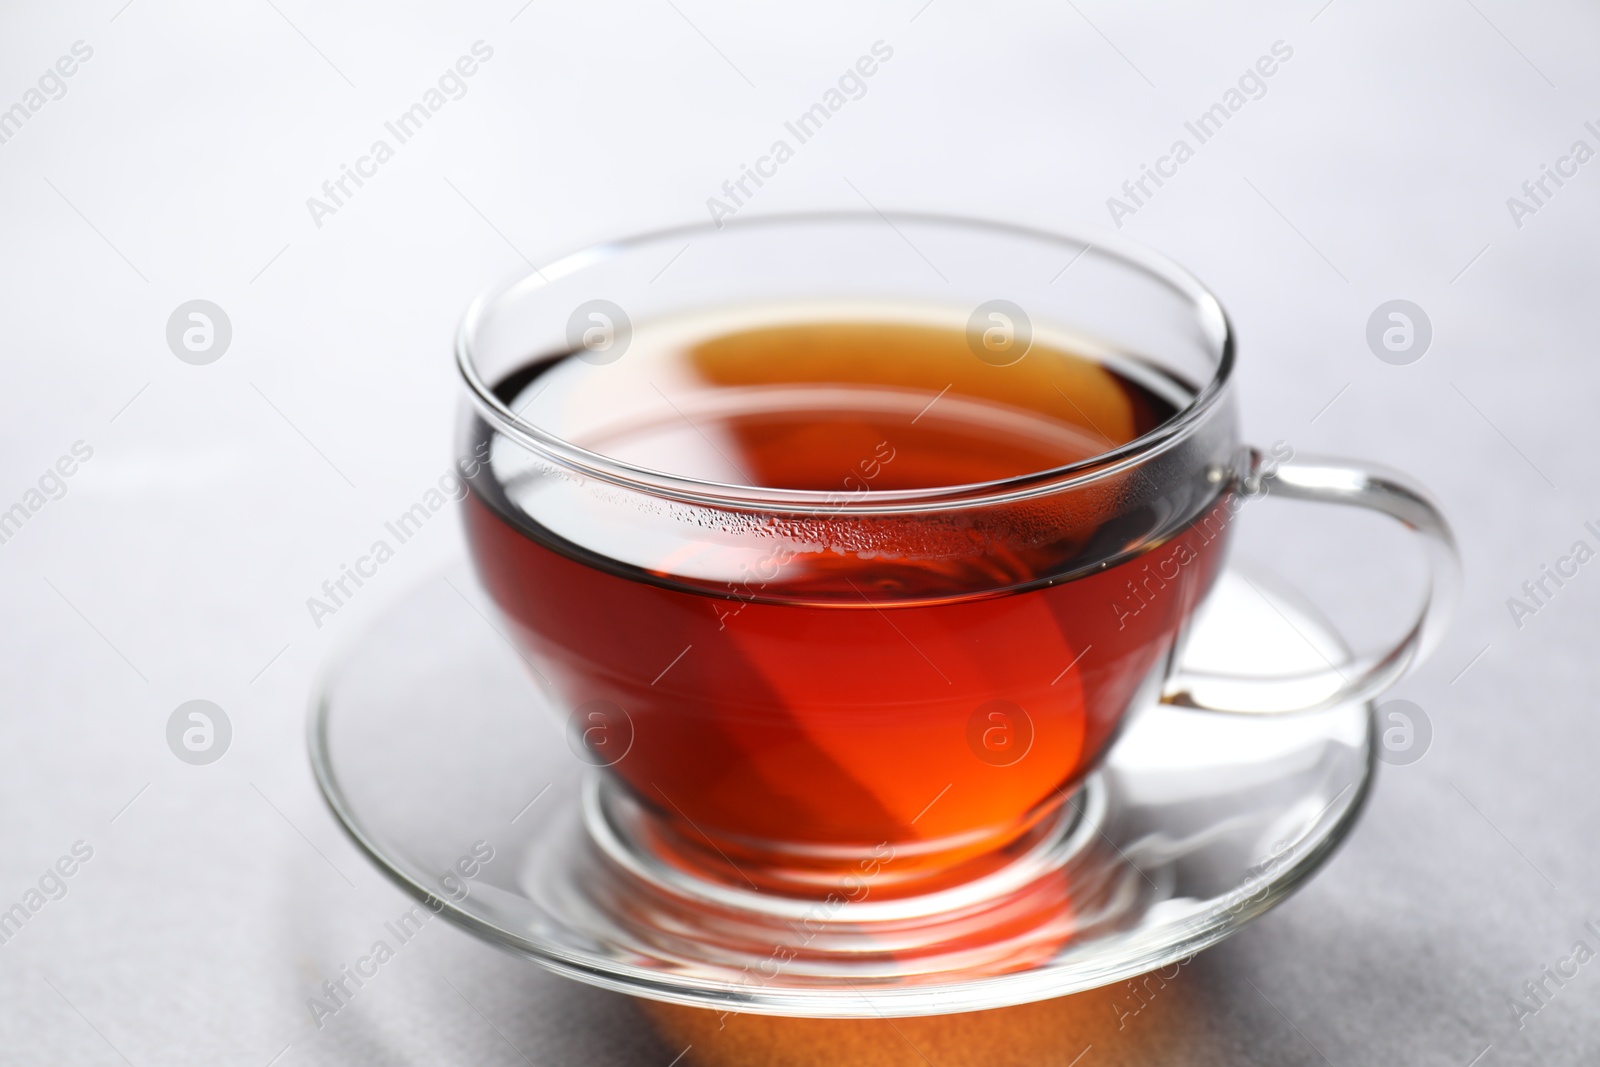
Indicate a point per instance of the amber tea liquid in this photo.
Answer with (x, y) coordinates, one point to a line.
(827, 698)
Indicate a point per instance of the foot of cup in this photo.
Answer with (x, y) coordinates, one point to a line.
(1022, 911)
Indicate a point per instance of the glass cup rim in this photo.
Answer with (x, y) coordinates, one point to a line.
(705, 492)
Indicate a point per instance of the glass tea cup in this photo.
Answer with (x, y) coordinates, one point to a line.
(708, 498)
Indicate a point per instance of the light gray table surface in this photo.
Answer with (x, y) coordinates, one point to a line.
(176, 164)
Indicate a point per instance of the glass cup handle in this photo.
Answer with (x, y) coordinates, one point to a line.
(1362, 675)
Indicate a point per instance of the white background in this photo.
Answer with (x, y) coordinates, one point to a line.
(177, 566)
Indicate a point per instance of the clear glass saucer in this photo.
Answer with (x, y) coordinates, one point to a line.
(436, 746)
